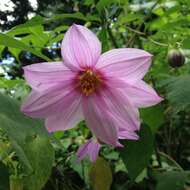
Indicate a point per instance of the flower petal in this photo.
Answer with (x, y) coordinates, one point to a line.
(141, 94)
(49, 102)
(99, 120)
(125, 114)
(42, 76)
(83, 150)
(80, 48)
(129, 63)
(69, 115)
(124, 134)
(90, 148)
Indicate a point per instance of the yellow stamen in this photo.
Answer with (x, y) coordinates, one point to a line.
(89, 81)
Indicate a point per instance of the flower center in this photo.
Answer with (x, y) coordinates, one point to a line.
(89, 81)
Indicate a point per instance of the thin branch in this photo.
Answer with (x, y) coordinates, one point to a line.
(136, 31)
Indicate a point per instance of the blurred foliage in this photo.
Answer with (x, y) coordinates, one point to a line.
(30, 158)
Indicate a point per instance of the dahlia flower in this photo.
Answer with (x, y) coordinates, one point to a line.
(104, 90)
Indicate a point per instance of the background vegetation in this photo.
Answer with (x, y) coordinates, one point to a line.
(32, 159)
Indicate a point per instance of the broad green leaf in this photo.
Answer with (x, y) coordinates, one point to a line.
(178, 91)
(30, 141)
(100, 175)
(8, 41)
(136, 154)
(4, 177)
(37, 41)
(171, 180)
(148, 116)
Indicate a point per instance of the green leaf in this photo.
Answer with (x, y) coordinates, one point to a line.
(37, 41)
(61, 28)
(148, 116)
(34, 22)
(186, 43)
(4, 177)
(7, 83)
(8, 41)
(16, 184)
(103, 4)
(171, 180)
(88, 2)
(37, 20)
(41, 155)
(100, 175)
(178, 90)
(103, 36)
(77, 15)
(30, 141)
(136, 154)
(56, 39)
(130, 18)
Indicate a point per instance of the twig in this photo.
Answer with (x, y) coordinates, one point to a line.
(136, 31)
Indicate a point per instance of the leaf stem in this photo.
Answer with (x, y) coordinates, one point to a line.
(158, 43)
(157, 154)
(171, 159)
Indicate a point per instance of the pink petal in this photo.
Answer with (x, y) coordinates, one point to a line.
(124, 134)
(129, 63)
(42, 76)
(141, 94)
(93, 151)
(80, 48)
(83, 150)
(90, 148)
(69, 115)
(124, 113)
(48, 102)
(99, 120)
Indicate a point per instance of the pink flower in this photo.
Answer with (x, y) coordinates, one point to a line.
(106, 90)
(90, 148)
